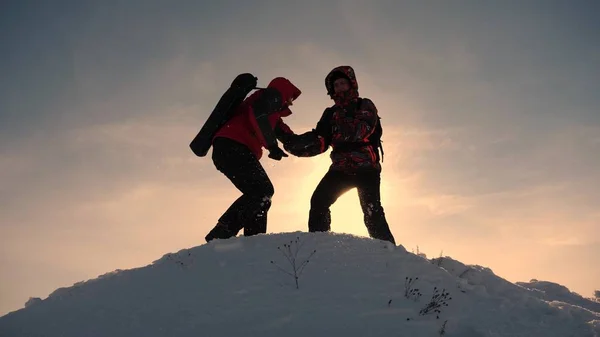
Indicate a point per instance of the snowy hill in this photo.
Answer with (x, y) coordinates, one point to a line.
(352, 286)
(555, 292)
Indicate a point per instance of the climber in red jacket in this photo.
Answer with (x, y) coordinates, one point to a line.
(237, 149)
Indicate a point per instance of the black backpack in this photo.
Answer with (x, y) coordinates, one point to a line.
(241, 86)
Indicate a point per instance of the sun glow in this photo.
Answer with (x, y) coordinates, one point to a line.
(347, 216)
(346, 213)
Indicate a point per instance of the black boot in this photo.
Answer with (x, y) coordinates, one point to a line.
(377, 225)
(220, 231)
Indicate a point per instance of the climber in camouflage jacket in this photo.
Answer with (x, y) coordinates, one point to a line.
(351, 127)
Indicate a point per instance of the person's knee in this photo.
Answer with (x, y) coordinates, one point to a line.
(263, 192)
(265, 203)
(267, 195)
(318, 202)
(269, 190)
(375, 216)
(372, 207)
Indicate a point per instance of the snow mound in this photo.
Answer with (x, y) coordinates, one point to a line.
(263, 286)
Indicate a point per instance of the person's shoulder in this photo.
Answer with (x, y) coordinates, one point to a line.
(367, 104)
(329, 109)
(248, 102)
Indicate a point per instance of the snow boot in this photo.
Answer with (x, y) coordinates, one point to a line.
(220, 231)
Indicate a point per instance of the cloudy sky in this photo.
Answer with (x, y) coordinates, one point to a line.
(490, 110)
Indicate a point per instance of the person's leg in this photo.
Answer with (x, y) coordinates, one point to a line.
(249, 211)
(255, 221)
(369, 194)
(329, 189)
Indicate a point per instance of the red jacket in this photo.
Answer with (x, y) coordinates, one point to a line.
(243, 128)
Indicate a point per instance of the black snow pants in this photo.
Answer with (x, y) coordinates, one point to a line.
(333, 185)
(249, 211)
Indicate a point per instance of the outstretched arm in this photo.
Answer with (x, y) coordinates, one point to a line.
(268, 102)
(308, 144)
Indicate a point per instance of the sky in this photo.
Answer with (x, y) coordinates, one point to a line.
(490, 114)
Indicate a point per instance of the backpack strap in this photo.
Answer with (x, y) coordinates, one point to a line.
(381, 148)
(379, 144)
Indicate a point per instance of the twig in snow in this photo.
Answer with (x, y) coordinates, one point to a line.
(290, 252)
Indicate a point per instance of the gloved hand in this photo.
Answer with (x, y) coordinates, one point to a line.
(276, 153)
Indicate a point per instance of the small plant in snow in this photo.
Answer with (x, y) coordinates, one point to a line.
(438, 300)
(419, 253)
(410, 292)
(290, 251)
(443, 328)
(597, 295)
(438, 261)
(178, 259)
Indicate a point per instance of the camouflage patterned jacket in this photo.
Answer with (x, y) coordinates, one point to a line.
(346, 126)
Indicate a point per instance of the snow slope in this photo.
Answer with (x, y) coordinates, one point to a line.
(352, 286)
(550, 291)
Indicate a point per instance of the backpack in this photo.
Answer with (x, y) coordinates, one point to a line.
(375, 137)
(241, 86)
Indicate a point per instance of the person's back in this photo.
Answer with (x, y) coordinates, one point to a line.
(243, 127)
